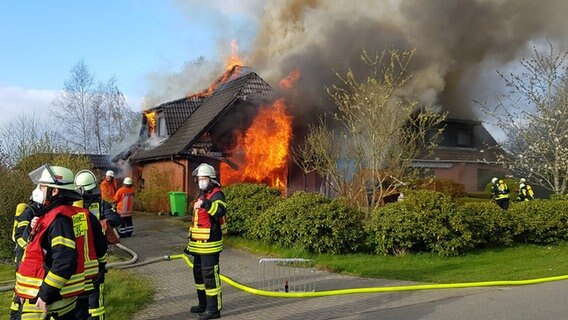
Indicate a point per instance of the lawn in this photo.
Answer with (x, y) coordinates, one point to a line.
(514, 263)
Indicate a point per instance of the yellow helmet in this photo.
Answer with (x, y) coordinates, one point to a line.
(205, 170)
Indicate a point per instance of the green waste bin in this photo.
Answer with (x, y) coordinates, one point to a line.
(177, 203)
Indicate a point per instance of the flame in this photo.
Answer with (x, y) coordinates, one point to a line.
(234, 59)
(233, 68)
(290, 80)
(151, 118)
(262, 152)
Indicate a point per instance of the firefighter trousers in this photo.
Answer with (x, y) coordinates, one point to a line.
(126, 227)
(207, 281)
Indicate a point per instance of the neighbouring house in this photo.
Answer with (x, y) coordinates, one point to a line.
(467, 153)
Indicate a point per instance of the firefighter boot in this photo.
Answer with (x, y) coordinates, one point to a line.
(210, 315)
(200, 308)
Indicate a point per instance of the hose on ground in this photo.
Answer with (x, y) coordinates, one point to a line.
(374, 289)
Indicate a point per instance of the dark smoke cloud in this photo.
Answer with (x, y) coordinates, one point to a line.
(457, 41)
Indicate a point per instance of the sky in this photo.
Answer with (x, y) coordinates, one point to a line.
(130, 40)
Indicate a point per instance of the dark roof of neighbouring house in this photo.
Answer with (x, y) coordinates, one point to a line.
(247, 87)
(100, 161)
(484, 148)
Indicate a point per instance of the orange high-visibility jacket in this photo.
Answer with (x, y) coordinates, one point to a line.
(108, 189)
(124, 199)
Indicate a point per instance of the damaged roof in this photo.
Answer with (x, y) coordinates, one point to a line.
(189, 119)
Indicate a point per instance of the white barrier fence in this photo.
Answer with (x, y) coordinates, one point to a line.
(287, 275)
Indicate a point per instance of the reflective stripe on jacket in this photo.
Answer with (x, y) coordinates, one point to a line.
(124, 199)
(33, 271)
(208, 225)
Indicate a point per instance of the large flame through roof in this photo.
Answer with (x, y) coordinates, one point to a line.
(262, 151)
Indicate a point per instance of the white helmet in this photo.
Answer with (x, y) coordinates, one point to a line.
(127, 181)
(523, 180)
(205, 170)
(494, 180)
(85, 180)
(53, 176)
(110, 173)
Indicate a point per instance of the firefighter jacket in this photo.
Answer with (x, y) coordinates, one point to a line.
(21, 231)
(102, 210)
(526, 192)
(53, 265)
(500, 190)
(208, 223)
(108, 189)
(124, 199)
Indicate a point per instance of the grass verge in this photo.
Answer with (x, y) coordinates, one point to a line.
(514, 263)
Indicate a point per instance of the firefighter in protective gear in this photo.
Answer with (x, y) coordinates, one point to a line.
(108, 186)
(124, 200)
(20, 234)
(206, 242)
(500, 192)
(86, 183)
(51, 274)
(526, 192)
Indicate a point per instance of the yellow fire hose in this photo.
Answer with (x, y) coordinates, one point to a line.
(374, 289)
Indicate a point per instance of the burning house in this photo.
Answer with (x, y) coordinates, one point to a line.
(238, 125)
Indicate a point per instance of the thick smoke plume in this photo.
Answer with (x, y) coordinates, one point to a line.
(458, 42)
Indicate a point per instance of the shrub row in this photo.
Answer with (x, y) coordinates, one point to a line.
(426, 221)
(306, 221)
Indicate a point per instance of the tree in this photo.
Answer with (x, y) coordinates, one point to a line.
(379, 130)
(93, 115)
(72, 108)
(28, 135)
(533, 114)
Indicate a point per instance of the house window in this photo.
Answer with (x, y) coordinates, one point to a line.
(162, 129)
(464, 138)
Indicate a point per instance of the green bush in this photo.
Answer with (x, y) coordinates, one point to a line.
(424, 221)
(245, 202)
(543, 221)
(16, 187)
(311, 222)
(489, 225)
(154, 195)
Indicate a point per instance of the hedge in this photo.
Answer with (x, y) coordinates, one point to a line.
(245, 202)
(311, 222)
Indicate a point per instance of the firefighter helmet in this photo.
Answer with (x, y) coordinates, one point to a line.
(53, 176)
(85, 180)
(494, 180)
(523, 180)
(205, 170)
(110, 173)
(127, 181)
